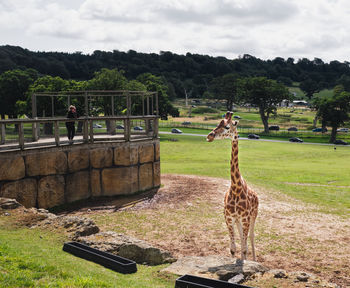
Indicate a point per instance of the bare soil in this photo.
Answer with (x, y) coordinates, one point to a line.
(185, 217)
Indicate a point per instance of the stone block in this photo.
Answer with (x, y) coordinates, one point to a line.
(78, 160)
(156, 173)
(146, 153)
(46, 163)
(77, 186)
(95, 179)
(101, 157)
(146, 176)
(24, 191)
(122, 156)
(51, 191)
(134, 155)
(157, 151)
(119, 181)
(12, 168)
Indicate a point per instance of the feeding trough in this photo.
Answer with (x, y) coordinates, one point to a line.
(108, 260)
(190, 281)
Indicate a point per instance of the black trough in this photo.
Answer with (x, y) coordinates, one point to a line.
(190, 281)
(108, 260)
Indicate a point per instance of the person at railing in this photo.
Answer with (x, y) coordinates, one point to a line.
(72, 113)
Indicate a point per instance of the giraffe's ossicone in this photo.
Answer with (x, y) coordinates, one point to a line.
(241, 202)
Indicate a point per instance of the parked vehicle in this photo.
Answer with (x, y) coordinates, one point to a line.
(319, 130)
(95, 125)
(237, 117)
(120, 126)
(296, 139)
(186, 123)
(293, 129)
(274, 127)
(340, 142)
(138, 128)
(253, 136)
(175, 130)
(343, 130)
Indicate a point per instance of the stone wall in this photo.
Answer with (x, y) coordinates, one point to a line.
(50, 177)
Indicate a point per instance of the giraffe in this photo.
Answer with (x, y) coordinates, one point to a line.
(241, 202)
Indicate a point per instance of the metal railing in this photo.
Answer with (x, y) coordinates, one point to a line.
(34, 137)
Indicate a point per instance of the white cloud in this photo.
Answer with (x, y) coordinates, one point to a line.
(265, 29)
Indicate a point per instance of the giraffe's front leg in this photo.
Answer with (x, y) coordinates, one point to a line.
(229, 223)
(243, 233)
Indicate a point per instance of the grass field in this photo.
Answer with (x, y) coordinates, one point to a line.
(34, 258)
(311, 173)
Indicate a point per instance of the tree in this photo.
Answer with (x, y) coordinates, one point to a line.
(265, 94)
(309, 87)
(13, 87)
(333, 111)
(157, 84)
(226, 88)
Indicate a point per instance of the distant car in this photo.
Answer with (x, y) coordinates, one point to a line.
(95, 125)
(274, 127)
(340, 142)
(175, 130)
(120, 126)
(295, 139)
(319, 129)
(138, 128)
(186, 123)
(237, 117)
(253, 136)
(343, 130)
(293, 129)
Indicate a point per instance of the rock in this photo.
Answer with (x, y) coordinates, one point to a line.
(79, 226)
(139, 251)
(278, 273)
(217, 266)
(46, 163)
(237, 279)
(12, 168)
(146, 176)
(101, 157)
(156, 173)
(9, 204)
(77, 186)
(122, 156)
(7, 214)
(78, 160)
(95, 179)
(24, 191)
(120, 181)
(157, 151)
(301, 276)
(146, 153)
(51, 191)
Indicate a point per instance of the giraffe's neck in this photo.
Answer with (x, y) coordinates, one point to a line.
(236, 181)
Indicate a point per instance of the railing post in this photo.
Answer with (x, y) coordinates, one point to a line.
(147, 123)
(85, 131)
(155, 127)
(127, 129)
(35, 135)
(3, 133)
(91, 130)
(21, 135)
(57, 133)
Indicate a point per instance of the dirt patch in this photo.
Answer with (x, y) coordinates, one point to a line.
(185, 217)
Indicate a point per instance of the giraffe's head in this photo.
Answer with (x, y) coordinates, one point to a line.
(226, 129)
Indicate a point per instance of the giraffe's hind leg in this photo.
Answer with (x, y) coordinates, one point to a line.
(229, 223)
(251, 236)
(243, 229)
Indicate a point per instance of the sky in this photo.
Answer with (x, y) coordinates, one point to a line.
(230, 28)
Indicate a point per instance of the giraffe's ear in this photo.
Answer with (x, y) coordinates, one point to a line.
(235, 123)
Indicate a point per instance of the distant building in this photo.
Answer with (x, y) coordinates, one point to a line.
(300, 103)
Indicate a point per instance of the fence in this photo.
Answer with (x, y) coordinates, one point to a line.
(28, 133)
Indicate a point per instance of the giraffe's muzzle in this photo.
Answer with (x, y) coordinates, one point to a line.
(211, 136)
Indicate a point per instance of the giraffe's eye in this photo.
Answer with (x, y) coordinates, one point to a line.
(227, 127)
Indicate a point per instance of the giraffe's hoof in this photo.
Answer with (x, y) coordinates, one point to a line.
(232, 253)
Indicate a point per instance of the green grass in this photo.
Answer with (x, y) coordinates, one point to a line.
(34, 258)
(294, 169)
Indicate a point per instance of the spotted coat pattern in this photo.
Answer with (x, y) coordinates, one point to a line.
(241, 202)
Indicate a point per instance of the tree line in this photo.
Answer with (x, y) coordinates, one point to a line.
(246, 80)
